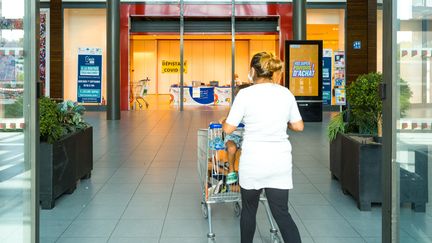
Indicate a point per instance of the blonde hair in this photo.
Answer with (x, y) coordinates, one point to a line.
(266, 64)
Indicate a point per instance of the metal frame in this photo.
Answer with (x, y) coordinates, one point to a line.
(31, 113)
(181, 53)
(390, 169)
(233, 30)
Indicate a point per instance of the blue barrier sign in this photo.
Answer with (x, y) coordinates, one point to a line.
(89, 75)
(327, 76)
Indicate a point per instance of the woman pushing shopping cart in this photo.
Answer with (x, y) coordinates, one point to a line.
(216, 180)
(266, 159)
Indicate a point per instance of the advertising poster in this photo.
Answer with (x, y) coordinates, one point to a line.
(303, 65)
(339, 79)
(327, 76)
(89, 75)
(340, 96)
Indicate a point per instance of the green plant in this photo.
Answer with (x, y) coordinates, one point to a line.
(51, 128)
(335, 126)
(404, 96)
(365, 104)
(71, 116)
(15, 110)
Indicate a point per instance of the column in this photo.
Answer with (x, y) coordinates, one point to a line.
(361, 38)
(56, 49)
(113, 60)
(299, 20)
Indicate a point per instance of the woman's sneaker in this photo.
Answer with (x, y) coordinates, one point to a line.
(231, 178)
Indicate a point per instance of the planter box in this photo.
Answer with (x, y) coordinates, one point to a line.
(62, 164)
(335, 157)
(361, 173)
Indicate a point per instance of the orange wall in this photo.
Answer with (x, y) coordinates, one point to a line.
(207, 60)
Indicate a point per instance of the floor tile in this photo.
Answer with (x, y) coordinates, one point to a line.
(317, 212)
(134, 240)
(90, 228)
(102, 212)
(338, 240)
(53, 228)
(82, 240)
(138, 228)
(330, 228)
(151, 211)
(185, 228)
(121, 199)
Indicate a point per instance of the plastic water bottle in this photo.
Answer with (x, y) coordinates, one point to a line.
(215, 137)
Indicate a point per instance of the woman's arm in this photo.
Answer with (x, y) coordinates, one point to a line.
(227, 128)
(296, 126)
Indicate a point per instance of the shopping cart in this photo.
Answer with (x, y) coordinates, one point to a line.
(140, 89)
(212, 173)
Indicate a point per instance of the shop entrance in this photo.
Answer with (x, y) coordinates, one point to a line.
(155, 49)
(206, 58)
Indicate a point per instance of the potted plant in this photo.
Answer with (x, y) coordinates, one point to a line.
(355, 147)
(66, 149)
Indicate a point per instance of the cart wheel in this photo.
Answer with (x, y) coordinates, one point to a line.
(204, 210)
(211, 240)
(237, 209)
(147, 105)
(275, 238)
(140, 106)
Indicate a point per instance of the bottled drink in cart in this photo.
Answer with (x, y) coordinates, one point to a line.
(215, 137)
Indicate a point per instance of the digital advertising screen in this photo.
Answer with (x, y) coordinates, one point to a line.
(304, 68)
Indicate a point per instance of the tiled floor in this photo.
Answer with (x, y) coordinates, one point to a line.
(144, 188)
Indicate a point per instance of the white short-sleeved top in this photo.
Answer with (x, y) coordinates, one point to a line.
(266, 160)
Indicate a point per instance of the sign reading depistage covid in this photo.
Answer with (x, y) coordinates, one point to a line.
(89, 75)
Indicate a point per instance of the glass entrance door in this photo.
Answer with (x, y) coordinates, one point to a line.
(408, 119)
(18, 217)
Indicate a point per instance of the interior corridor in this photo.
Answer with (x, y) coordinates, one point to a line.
(144, 188)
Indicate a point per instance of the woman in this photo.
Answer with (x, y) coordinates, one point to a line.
(267, 109)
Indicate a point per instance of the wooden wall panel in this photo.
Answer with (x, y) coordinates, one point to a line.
(56, 49)
(361, 25)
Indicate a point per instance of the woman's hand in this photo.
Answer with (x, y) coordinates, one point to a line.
(222, 120)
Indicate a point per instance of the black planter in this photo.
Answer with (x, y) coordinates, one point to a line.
(361, 173)
(62, 164)
(335, 157)
(84, 154)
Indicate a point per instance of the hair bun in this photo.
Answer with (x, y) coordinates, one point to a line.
(269, 63)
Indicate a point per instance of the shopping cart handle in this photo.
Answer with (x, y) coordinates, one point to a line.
(215, 125)
(241, 125)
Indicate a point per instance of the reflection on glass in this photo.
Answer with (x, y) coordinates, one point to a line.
(413, 109)
(14, 171)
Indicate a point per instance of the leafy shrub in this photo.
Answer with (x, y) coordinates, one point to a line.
(364, 112)
(51, 128)
(71, 116)
(365, 104)
(15, 110)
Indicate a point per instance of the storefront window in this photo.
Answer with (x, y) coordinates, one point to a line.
(412, 109)
(17, 204)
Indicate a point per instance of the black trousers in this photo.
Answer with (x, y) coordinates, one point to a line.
(278, 202)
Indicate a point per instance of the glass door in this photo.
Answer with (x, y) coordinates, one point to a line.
(18, 211)
(408, 120)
